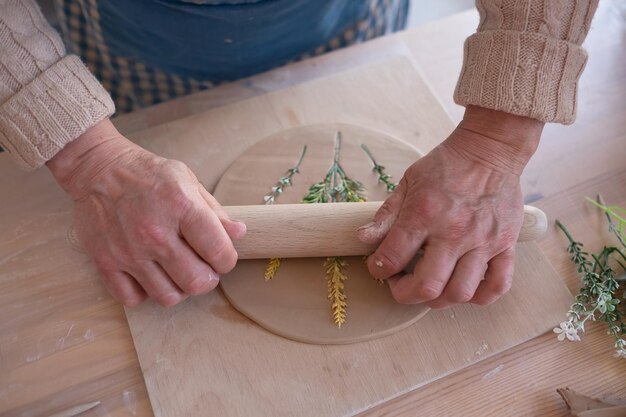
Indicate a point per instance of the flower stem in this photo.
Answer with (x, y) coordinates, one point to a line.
(285, 180)
(274, 264)
(380, 170)
(560, 226)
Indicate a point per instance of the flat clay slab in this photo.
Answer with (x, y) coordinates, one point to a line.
(294, 304)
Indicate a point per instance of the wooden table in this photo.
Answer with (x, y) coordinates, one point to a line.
(70, 343)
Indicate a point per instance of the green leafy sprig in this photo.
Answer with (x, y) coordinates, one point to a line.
(336, 185)
(285, 180)
(380, 170)
(599, 295)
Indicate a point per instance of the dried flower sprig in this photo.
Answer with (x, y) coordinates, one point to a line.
(336, 187)
(598, 297)
(380, 170)
(272, 268)
(285, 181)
(335, 277)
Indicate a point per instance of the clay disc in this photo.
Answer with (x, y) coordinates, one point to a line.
(294, 303)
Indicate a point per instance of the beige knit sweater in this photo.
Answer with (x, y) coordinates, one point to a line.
(525, 59)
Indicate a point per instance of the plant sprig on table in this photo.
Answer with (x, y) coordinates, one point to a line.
(284, 181)
(336, 185)
(599, 295)
(335, 277)
(380, 170)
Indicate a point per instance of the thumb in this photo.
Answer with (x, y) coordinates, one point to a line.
(385, 217)
(235, 229)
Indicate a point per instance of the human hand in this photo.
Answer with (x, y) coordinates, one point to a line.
(151, 228)
(462, 204)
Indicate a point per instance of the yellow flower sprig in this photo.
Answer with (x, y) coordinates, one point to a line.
(336, 187)
(285, 181)
(335, 277)
(272, 268)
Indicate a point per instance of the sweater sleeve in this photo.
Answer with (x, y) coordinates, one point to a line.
(47, 98)
(526, 57)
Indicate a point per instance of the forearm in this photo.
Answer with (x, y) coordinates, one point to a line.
(526, 58)
(47, 98)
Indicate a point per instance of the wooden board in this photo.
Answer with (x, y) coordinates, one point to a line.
(204, 357)
(295, 304)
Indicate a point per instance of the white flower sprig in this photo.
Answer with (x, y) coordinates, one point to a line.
(598, 297)
(567, 329)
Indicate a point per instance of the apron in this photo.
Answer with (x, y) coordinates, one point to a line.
(148, 51)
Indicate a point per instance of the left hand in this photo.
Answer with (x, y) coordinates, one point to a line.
(462, 204)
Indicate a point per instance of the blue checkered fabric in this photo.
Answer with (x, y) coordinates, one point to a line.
(148, 51)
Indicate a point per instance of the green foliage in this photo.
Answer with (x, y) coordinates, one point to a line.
(599, 297)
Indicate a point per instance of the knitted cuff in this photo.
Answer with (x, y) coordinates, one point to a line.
(522, 73)
(55, 108)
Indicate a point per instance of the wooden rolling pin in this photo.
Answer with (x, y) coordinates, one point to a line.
(320, 230)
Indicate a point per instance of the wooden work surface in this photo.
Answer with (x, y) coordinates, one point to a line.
(248, 363)
(73, 342)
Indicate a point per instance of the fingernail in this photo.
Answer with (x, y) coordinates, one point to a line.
(238, 222)
(367, 226)
(378, 263)
(213, 276)
(236, 229)
(171, 299)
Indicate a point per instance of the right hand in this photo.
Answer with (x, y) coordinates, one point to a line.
(151, 228)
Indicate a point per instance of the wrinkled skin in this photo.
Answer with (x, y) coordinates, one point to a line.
(153, 230)
(149, 225)
(462, 204)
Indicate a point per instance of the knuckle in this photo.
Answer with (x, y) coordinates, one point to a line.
(176, 166)
(385, 264)
(411, 223)
(132, 300)
(181, 201)
(428, 291)
(105, 264)
(455, 233)
(507, 238)
(430, 207)
(404, 297)
(223, 255)
(485, 300)
(462, 295)
(153, 234)
(501, 285)
(199, 285)
(386, 209)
